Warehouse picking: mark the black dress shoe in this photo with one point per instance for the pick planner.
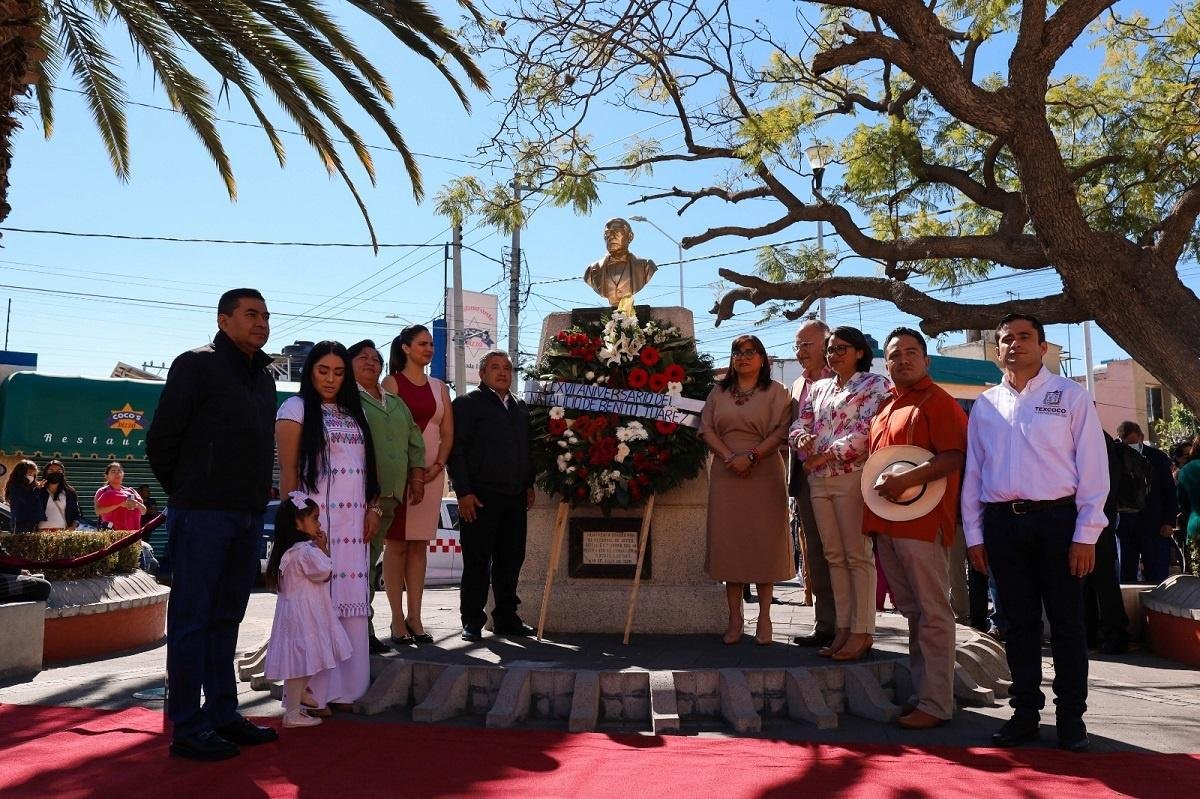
(815, 639)
(1073, 737)
(472, 632)
(1021, 728)
(207, 745)
(516, 628)
(377, 647)
(243, 733)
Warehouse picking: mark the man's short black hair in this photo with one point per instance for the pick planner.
(906, 331)
(1126, 427)
(1033, 320)
(230, 299)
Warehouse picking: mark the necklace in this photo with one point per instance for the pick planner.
(742, 397)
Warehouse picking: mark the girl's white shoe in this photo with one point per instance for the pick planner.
(298, 718)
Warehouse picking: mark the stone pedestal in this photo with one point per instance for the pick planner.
(678, 598)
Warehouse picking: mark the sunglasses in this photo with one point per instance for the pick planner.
(745, 353)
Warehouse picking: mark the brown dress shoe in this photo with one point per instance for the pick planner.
(920, 720)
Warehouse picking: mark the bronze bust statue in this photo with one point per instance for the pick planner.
(620, 274)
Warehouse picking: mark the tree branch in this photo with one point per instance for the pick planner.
(692, 196)
(1176, 228)
(1095, 163)
(938, 316)
(1065, 26)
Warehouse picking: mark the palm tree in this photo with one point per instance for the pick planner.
(288, 46)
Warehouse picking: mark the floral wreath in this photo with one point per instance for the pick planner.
(605, 459)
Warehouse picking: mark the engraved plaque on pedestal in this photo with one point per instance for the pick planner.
(605, 547)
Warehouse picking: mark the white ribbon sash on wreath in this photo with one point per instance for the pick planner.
(621, 401)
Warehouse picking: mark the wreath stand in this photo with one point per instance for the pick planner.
(560, 527)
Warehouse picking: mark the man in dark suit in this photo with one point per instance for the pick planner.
(493, 478)
(212, 446)
(1146, 535)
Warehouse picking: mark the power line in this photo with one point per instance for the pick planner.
(188, 240)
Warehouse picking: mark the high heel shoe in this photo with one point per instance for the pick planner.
(856, 653)
(839, 640)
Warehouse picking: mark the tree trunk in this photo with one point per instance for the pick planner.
(18, 18)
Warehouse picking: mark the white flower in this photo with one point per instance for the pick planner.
(562, 444)
(622, 453)
(563, 460)
(609, 355)
(557, 412)
(675, 389)
(590, 376)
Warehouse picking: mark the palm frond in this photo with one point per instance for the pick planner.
(189, 96)
(92, 65)
(315, 17)
(47, 72)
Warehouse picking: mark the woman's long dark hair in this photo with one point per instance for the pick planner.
(64, 486)
(855, 338)
(286, 535)
(314, 446)
(396, 357)
(729, 381)
(16, 480)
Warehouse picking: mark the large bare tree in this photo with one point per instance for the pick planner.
(963, 144)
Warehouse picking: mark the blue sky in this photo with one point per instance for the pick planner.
(66, 184)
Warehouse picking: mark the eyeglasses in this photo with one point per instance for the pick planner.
(837, 349)
(745, 353)
(803, 345)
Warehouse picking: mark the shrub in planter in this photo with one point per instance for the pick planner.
(57, 544)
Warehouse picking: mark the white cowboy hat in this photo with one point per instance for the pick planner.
(915, 502)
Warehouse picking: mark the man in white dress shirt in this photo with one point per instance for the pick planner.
(1033, 506)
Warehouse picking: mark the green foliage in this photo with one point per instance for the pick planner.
(288, 46)
(778, 263)
(48, 545)
(1180, 424)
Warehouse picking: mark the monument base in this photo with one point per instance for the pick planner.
(677, 598)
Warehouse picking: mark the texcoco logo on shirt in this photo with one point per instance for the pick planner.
(126, 419)
(1051, 404)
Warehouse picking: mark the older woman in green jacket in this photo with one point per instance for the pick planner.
(399, 456)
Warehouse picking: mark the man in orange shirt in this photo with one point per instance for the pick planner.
(912, 548)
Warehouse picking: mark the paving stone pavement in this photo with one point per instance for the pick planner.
(1137, 701)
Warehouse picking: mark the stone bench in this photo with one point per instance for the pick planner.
(21, 628)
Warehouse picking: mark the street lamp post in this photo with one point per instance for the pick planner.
(678, 247)
(818, 156)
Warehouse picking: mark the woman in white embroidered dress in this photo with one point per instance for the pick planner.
(325, 450)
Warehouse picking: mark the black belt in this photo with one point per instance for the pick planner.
(1020, 507)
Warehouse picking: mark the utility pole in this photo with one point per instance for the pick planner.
(1089, 378)
(456, 332)
(7, 322)
(514, 283)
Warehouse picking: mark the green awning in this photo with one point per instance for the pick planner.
(47, 416)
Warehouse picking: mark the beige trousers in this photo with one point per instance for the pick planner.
(838, 507)
(916, 572)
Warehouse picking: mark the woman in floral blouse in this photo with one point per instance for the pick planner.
(830, 436)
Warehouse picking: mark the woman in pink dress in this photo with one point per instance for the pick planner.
(408, 539)
(325, 450)
(121, 507)
(306, 636)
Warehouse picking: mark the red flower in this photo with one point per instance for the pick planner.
(562, 337)
(666, 428)
(603, 452)
(658, 383)
(557, 426)
(582, 472)
(649, 355)
(674, 373)
(638, 377)
(664, 456)
(644, 479)
(581, 492)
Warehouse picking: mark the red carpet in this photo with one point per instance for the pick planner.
(64, 752)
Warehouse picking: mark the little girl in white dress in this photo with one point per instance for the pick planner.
(306, 636)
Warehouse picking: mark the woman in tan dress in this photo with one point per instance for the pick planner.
(744, 423)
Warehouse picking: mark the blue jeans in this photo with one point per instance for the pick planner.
(215, 562)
